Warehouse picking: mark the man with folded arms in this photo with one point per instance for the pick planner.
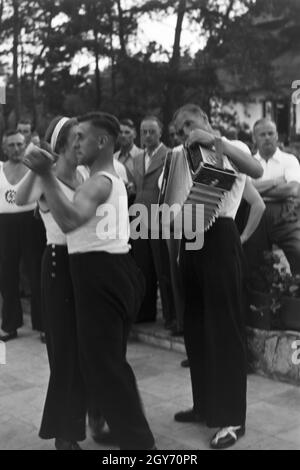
(279, 187)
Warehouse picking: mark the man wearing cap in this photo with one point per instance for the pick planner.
(108, 286)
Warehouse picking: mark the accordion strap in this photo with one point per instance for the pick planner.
(219, 152)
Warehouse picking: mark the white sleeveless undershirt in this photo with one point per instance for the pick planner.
(54, 234)
(8, 196)
(108, 230)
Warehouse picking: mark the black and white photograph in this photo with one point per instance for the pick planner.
(149, 227)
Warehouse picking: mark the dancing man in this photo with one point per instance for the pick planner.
(108, 286)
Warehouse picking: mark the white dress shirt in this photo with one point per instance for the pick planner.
(281, 164)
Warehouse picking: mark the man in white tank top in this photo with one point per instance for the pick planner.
(108, 286)
(21, 237)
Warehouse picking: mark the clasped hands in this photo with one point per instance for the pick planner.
(40, 160)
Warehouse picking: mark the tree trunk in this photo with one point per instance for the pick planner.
(170, 95)
(33, 91)
(112, 54)
(121, 30)
(97, 71)
(94, 15)
(16, 82)
(1, 13)
(123, 65)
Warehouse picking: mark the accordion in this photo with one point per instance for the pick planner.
(195, 181)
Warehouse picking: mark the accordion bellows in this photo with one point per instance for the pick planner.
(191, 180)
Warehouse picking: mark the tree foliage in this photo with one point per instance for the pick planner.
(71, 56)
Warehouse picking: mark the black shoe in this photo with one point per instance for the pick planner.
(61, 444)
(9, 336)
(227, 437)
(185, 363)
(188, 416)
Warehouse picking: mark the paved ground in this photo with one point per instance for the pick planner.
(273, 408)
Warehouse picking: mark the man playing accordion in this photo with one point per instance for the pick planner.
(214, 329)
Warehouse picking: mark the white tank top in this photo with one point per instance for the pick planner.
(108, 230)
(54, 234)
(8, 196)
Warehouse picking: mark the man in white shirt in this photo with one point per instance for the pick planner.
(279, 186)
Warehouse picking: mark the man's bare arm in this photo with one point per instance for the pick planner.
(30, 190)
(71, 215)
(257, 208)
(263, 186)
(243, 161)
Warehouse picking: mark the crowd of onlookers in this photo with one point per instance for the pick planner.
(201, 296)
(268, 216)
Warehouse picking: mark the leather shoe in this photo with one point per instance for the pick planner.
(188, 416)
(8, 336)
(227, 437)
(185, 363)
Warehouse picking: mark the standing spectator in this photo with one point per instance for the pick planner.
(35, 139)
(173, 138)
(128, 150)
(21, 235)
(279, 186)
(151, 254)
(24, 126)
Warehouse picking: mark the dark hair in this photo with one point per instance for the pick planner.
(153, 118)
(127, 122)
(191, 108)
(63, 133)
(103, 120)
(25, 121)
